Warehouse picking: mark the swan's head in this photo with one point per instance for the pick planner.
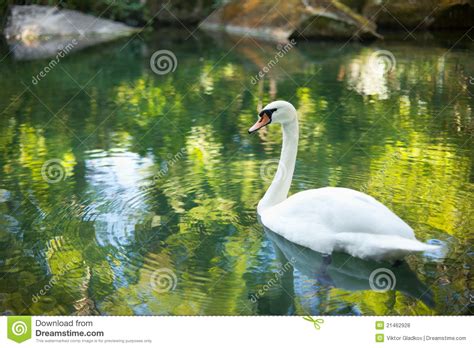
(278, 111)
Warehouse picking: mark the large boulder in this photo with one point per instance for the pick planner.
(272, 20)
(42, 31)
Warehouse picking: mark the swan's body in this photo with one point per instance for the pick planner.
(331, 218)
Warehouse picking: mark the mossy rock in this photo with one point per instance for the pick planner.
(278, 21)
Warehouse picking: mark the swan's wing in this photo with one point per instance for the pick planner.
(337, 210)
(330, 218)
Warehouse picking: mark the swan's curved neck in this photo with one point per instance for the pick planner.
(280, 186)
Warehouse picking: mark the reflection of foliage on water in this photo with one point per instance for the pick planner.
(404, 140)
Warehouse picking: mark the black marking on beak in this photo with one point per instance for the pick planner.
(268, 112)
(265, 116)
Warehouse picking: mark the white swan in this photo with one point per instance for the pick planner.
(331, 218)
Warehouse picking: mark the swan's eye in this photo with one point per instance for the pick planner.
(268, 112)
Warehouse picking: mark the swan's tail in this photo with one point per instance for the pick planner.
(380, 247)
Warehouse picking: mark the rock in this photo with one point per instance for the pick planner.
(420, 14)
(42, 31)
(278, 21)
(57, 47)
(4, 195)
(36, 22)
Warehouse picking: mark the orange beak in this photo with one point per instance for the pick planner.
(262, 122)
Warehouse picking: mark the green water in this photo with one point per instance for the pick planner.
(158, 179)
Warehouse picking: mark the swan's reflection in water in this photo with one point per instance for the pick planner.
(338, 270)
